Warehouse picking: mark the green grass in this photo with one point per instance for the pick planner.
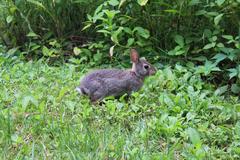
(175, 116)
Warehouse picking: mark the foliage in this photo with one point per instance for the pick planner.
(175, 116)
(205, 33)
(22, 20)
(45, 46)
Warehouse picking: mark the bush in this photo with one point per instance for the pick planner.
(46, 18)
(205, 34)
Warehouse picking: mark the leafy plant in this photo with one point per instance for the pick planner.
(112, 24)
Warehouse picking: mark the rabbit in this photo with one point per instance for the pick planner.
(115, 82)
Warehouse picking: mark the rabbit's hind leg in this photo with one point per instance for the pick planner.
(98, 95)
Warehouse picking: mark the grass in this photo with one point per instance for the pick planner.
(175, 116)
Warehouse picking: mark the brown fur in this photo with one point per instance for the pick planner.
(115, 82)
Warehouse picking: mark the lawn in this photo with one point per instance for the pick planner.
(176, 115)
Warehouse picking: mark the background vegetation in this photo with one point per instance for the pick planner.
(189, 110)
(202, 33)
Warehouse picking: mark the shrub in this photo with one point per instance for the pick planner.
(203, 33)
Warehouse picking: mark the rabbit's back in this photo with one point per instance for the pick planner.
(104, 73)
(109, 82)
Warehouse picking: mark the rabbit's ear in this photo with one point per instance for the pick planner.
(134, 56)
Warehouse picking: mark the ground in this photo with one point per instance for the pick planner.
(176, 115)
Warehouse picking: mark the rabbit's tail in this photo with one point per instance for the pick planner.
(81, 90)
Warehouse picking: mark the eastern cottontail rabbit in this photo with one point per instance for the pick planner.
(116, 82)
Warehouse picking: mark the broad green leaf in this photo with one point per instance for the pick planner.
(220, 2)
(54, 43)
(13, 9)
(89, 17)
(219, 57)
(121, 3)
(207, 68)
(142, 2)
(86, 26)
(213, 14)
(46, 51)
(237, 45)
(27, 100)
(200, 58)
(113, 2)
(207, 33)
(210, 66)
(217, 19)
(62, 92)
(177, 48)
(32, 34)
(171, 52)
(180, 52)
(12, 51)
(70, 105)
(214, 38)
(228, 37)
(140, 43)
(9, 19)
(226, 50)
(216, 107)
(97, 57)
(233, 73)
(115, 34)
(167, 100)
(16, 139)
(169, 74)
(210, 45)
(76, 51)
(221, 90)
(97, 17)
(200, 12)
(220, 45)
(190, 116)
(194, 136)
(35, 47)
(130, 42)
(128, 30)
(142, 32)
(179, 40)
(111, 13)
(38, 4)
(103, 31)
(99, 8)
(235, 88)
(194, 2)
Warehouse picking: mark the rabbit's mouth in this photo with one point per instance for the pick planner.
(152, 72)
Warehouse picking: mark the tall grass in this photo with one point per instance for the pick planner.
(60, 18)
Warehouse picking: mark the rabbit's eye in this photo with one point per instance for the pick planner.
(146, 66)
